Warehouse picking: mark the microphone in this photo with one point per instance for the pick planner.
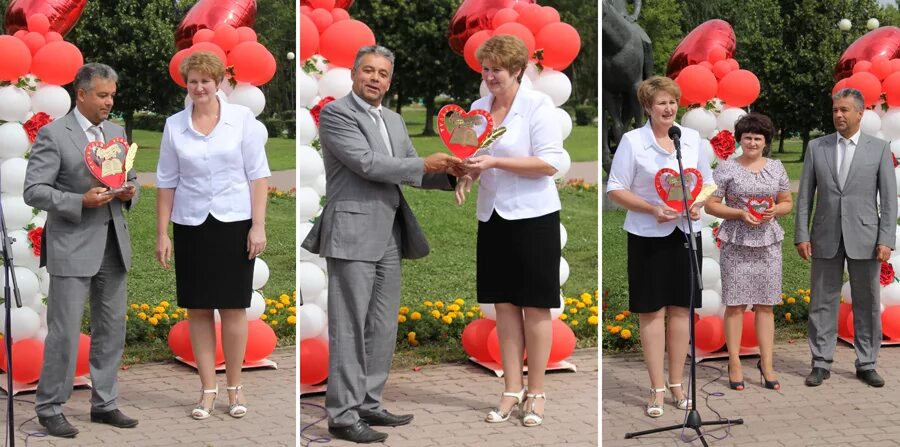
(675, 135)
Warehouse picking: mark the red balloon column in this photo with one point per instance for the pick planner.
(477, 15)
(480, 341)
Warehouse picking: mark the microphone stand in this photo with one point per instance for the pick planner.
(9, 272)
(693, 420)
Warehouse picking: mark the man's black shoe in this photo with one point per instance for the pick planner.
(114, 417)
(58, 426)
(385, 418)
(359, 433)
(816, 376)
(870, 377)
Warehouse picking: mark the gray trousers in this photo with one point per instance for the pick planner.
(65, 305)
(363, 301)
(826, 275)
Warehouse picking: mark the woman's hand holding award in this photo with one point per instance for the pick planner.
(457, 130)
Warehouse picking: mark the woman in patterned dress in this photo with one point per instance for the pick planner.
(756, 191)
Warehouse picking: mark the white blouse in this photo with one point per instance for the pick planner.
(531, 130)
(211, 174)
(635, 164)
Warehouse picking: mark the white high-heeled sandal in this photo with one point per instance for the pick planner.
(237, 409)
(655, 408)
(684, 402)
(532, 419)
(200, 412)
(496, 415)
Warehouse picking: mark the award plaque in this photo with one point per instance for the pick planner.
(457, 130)
(668, 186)
(110, 162)
(758, 205)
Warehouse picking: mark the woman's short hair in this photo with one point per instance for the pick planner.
(203, 62)
(654, 85)
(755, 123)
(509, 52)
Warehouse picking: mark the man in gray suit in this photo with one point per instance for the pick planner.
(87, 251)
(363, 232)
(847, 171)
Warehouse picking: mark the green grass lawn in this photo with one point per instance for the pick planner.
(791, 157)
(281, 152)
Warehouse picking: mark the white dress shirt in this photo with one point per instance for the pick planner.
(377, 118)
(531, 130)
(635, 164)
(211, 174)
(851, 149)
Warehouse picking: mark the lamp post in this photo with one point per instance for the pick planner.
(845, 25)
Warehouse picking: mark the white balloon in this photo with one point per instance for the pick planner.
(845, 293)
(22, 252)
(44, 286)
(37, 221)
(563, 271)
(42, 313)
(12, 175)
(307, 89)
(565, 122)
(33, 301)
(322, 263)
(15, 211)
(555, 84)
(563, 236)
(248, 96)
(880, 135)
(319, 185)
(260, 273)
(870, 123)
(890, 295)
(717, 105)
(24, 323)
(41, 334)
(258, 133)
(890, 123)
(13, 140)
(303, 229)
(309, 165)
(307, 202)
(557, 311)
(52, 100)
(15, 104)
(257, 306)
(318, 62)
(335, 83)
(322, 300)
(311, 320)
(701, 120)
(717, 286)
(488, 311)
(483, 90)
(711, 271)
(531, 71)
(565, 166)
(728, 117)
(711, 305)
(306, 127)
(312, 279)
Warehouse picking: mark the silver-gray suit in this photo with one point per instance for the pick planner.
(363, 232)
(87, 252)
(848, 224)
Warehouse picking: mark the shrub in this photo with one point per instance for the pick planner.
(148, 121)
(584, 115)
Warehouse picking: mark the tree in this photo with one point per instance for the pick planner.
(661, 20)
(276, 29)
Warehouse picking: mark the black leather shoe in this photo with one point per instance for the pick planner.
(115, 418)
(359, 433)
(870, 377)
(817, 376)
(385, 418)
(58, 426)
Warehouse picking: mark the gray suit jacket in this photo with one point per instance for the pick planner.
(55, 181)
(850, 212)
(363, 194)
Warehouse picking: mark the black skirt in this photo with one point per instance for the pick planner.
(211, 266)
(518, 261)
(659, 272)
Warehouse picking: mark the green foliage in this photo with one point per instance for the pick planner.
(148, 121)
(661, 19)
(585, 115)
(276, 28)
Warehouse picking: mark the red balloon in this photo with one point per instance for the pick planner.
(82, 363)
(338, 14)
(180, 340)
(261, 341)
(722, 68)
(38, 23)
(3, 366)
(890, 322)
(474, 338)
(843, 325)
(706, 64)
(476, 15)
(716, 54)
(20, 33)
(220, 353)
(27, 358)
(313, 361)
(563, 342)
(342, 40)
(895, 65)
(698, 84)
(309, 38)
(210, 48)
(472, 45)
(324, 4)
(842, 84)
(696, 45)
(891, 88)
(550, 14)
(534, 19)
(748, 330)
(493, 346)
(738, 88)
(849, 324)
(62, 15)
(504, 15)
(868, 84)
(879, 57)
(203, 35)
(561, 44)
(15, 58)
(57, 62)
(225, 36)
(252, 63)
(34, 41)
(305, 9)
(881, 69)
(862, 66)
(343, 4)
(883, 41)
(246, 34)
(521, 6)
(210, 13)
(520, 31)
(734, 63)
(710, 333)
(53, 36)
(175, 67)
(322, 18)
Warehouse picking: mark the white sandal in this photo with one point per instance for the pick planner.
(496, 415)
(655, 409)
(237, 409)
(200, 412)
(531, 418)
(684, 402)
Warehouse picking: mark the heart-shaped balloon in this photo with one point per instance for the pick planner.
(209, 13)
(695, 47)
(62, 14)
(461, 137)
(668, 186)
(106, 161)
(473, 16)
(758, 205)
(343, 4)
(884, 41)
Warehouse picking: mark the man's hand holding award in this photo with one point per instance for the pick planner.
(109, 163)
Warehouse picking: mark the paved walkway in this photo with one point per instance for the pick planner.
(161, 396)
(449, 402)
(842, 411)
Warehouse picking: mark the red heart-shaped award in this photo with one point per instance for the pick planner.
(461, 138)
(209, 13)
(668, 186)
(758, 205)
(62, 14)
(106, 161)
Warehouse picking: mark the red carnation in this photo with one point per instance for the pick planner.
(894, 158)
(317, 109)
(723, 144)
(887, 273)
(35, 237)
(33, 125)
(715, 232)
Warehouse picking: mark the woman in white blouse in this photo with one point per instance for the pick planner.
(658, 263)
(212, 184)
(518, 247)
